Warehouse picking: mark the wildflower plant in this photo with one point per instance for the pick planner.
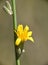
(21, 33)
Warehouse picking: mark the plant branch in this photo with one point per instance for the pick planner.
(15, 26)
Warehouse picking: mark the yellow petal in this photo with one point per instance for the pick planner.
(31, 39)
(29, 33)
(20, 28)
(26, 28)
(18, 41)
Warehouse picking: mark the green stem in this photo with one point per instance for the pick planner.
(18, 62)
(15, 25)
(14, 14)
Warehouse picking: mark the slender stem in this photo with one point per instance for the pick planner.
(15, 25)
(14, 14)
(18, 62)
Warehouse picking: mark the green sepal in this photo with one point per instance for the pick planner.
(19, 48)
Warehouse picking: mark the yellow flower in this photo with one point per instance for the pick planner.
(23, 34)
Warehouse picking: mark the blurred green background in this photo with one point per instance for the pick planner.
(33, 13)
